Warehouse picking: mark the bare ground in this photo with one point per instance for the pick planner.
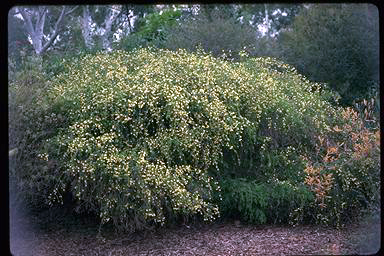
(45, 234)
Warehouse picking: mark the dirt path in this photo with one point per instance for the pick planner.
(29, 238)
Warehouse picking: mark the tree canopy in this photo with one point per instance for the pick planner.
(337, 44)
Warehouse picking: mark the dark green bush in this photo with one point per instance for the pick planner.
(29, 126)
(259, 203)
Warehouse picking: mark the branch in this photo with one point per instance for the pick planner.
(39, 26)
(72, 10)
(12, 152)
(118, 15)
(28, 22)
(56, 30)
(110, 17)
(41, 13)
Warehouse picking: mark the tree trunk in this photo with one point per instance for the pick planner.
(267, 19)
(107, 35)
(36, 31)
(86, 20)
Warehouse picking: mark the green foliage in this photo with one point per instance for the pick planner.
(212, 32)
(29, 125)
(259, 203)
(156, 24)
(139, 10)
(153, 29)
(337, 44)
(138, 138)
(282, 164)
(285, 112)
(53, 64)
(131, 42)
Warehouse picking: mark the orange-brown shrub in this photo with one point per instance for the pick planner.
(344, 173)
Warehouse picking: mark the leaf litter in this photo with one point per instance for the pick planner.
(57, 237)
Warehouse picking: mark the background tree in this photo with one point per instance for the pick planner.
(85, 21)
(43, 24)
(154, 29)
(214, 31)
(18, 44)
(152, 26)
(139, 12)
(105, 19)
(272, 17)
(337, 44)
(232, 27)
(129, 26)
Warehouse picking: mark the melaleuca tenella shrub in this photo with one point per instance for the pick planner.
(143, 133)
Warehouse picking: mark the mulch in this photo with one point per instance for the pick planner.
(27, 237)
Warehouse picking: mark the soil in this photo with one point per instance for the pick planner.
(53, 233)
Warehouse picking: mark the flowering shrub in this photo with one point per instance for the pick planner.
(284, 113)
(345, 172)
(139, 138)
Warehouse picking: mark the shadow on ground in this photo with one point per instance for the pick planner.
(51, 232)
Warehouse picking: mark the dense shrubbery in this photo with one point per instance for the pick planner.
(28, 127)
(344, 174)
(273, 202)
(142, 138)
(284, 113)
